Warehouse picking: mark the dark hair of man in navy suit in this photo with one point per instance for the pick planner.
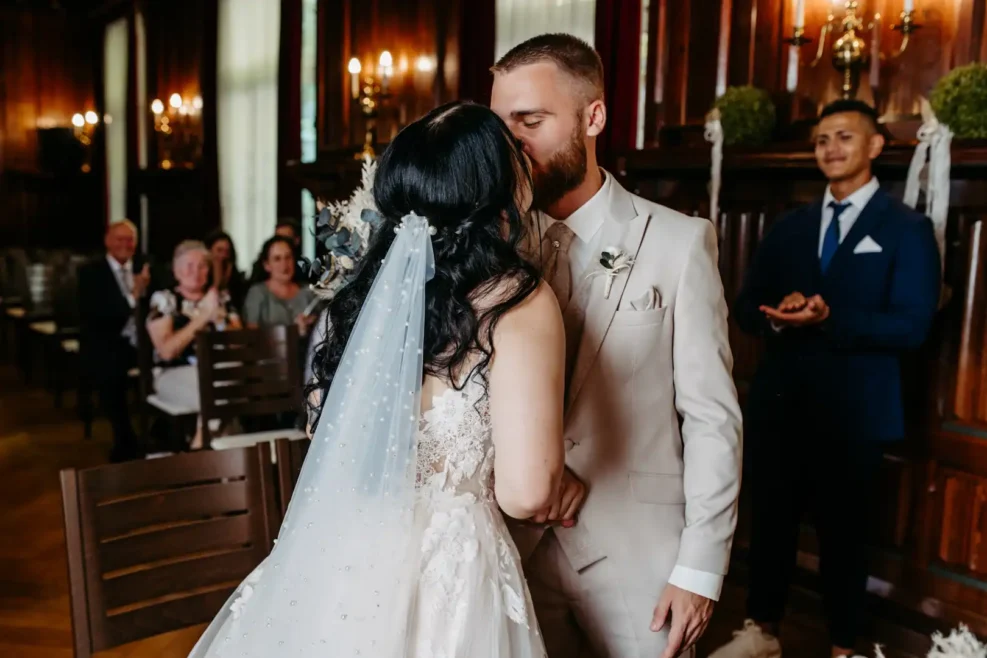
(839, 289)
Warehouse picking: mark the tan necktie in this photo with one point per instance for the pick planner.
(555, 252)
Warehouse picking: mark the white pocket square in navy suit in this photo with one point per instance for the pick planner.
(867, 246)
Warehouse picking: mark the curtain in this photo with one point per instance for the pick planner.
(247, 121)
(309, 106)
(115, 58)
(518, 20)
(618, 40)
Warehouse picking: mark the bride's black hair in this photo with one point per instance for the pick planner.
(460, 167)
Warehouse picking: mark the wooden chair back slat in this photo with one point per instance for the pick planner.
(250, 372)
(187, 504)
(197, 537)
(258, 371)
(185, 470)
(159, 545)
(274, 388)
(173, 614)
(149, 584)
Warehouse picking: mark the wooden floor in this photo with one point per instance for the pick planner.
(36, 440)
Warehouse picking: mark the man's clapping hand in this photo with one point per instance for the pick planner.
(795, 310)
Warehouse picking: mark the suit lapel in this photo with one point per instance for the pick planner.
(869, 218)
(600, 309)
(809, 237)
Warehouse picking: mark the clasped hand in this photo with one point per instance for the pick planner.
(572, 494)
(796, 310)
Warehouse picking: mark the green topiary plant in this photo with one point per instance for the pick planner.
(960, 101)
(747, 116)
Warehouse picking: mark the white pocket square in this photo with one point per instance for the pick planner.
(867, 246)
(647, 302)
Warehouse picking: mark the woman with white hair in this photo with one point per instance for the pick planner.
(174, 319)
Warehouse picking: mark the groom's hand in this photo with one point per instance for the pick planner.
(572, 494)
(690, 614)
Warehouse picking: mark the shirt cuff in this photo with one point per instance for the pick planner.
(698, 582)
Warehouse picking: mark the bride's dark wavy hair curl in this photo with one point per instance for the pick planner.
(461, 168)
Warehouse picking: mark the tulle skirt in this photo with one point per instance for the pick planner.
(462, 595)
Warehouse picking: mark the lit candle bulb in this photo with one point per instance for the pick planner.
(386, 70)
(354, 68)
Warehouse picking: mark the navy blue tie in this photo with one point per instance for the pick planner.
(831, 241)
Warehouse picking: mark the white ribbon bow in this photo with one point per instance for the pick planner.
(934, 141)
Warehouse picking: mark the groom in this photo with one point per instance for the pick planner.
(652, 425)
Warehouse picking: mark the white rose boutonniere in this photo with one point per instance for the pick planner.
(613, 261)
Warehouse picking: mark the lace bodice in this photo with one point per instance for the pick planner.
(455, 450)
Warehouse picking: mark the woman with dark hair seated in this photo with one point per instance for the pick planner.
(225, 277)
(278, 299)
(444, 364)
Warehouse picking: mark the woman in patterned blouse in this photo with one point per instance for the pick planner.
(174, 319)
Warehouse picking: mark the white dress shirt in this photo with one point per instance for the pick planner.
(858, 201)
(584, 251)
(124, 273)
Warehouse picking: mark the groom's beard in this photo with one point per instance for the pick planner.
(564, 172)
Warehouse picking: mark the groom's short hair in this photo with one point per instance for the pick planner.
(572, 55)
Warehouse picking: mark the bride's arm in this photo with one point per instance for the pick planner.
(527, 384)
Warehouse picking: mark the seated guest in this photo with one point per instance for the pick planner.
(174, 319)
(109, 289)
(289, 228)
(225, 276)
(840, 289)
(278, 299)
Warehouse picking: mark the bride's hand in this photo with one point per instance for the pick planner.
(572, 495)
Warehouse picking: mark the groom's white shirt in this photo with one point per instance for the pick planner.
(584, 251)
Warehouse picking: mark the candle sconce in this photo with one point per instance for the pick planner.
(850, 52)
(387, 94)
(84, 128)
(370, 92)
(178, 131)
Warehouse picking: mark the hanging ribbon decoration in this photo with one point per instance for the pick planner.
(934, 141)
(714, 135)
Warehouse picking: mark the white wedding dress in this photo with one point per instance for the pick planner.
(472, 597)
(393, 545)
(469, 599)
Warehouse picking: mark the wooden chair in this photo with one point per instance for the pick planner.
(248, 373)
(159, 545)
(290, 457)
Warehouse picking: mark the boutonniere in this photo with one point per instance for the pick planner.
(613, 261)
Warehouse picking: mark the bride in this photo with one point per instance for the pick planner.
(443, 367)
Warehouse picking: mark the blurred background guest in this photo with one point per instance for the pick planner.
(175, 317)
(288, 227)
(278, 298)
(109, 289)
(226, 278)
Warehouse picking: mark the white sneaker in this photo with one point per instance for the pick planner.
(750, 642)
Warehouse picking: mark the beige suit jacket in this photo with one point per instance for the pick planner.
(652, 423)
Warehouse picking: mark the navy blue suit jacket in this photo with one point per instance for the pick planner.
(841, 376)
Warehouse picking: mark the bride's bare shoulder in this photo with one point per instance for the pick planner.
(538, 312)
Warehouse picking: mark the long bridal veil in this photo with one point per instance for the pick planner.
(341, 576)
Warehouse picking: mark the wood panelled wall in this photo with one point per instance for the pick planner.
(44, 87)
(701, 46)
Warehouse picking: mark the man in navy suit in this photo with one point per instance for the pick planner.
(839, 289)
